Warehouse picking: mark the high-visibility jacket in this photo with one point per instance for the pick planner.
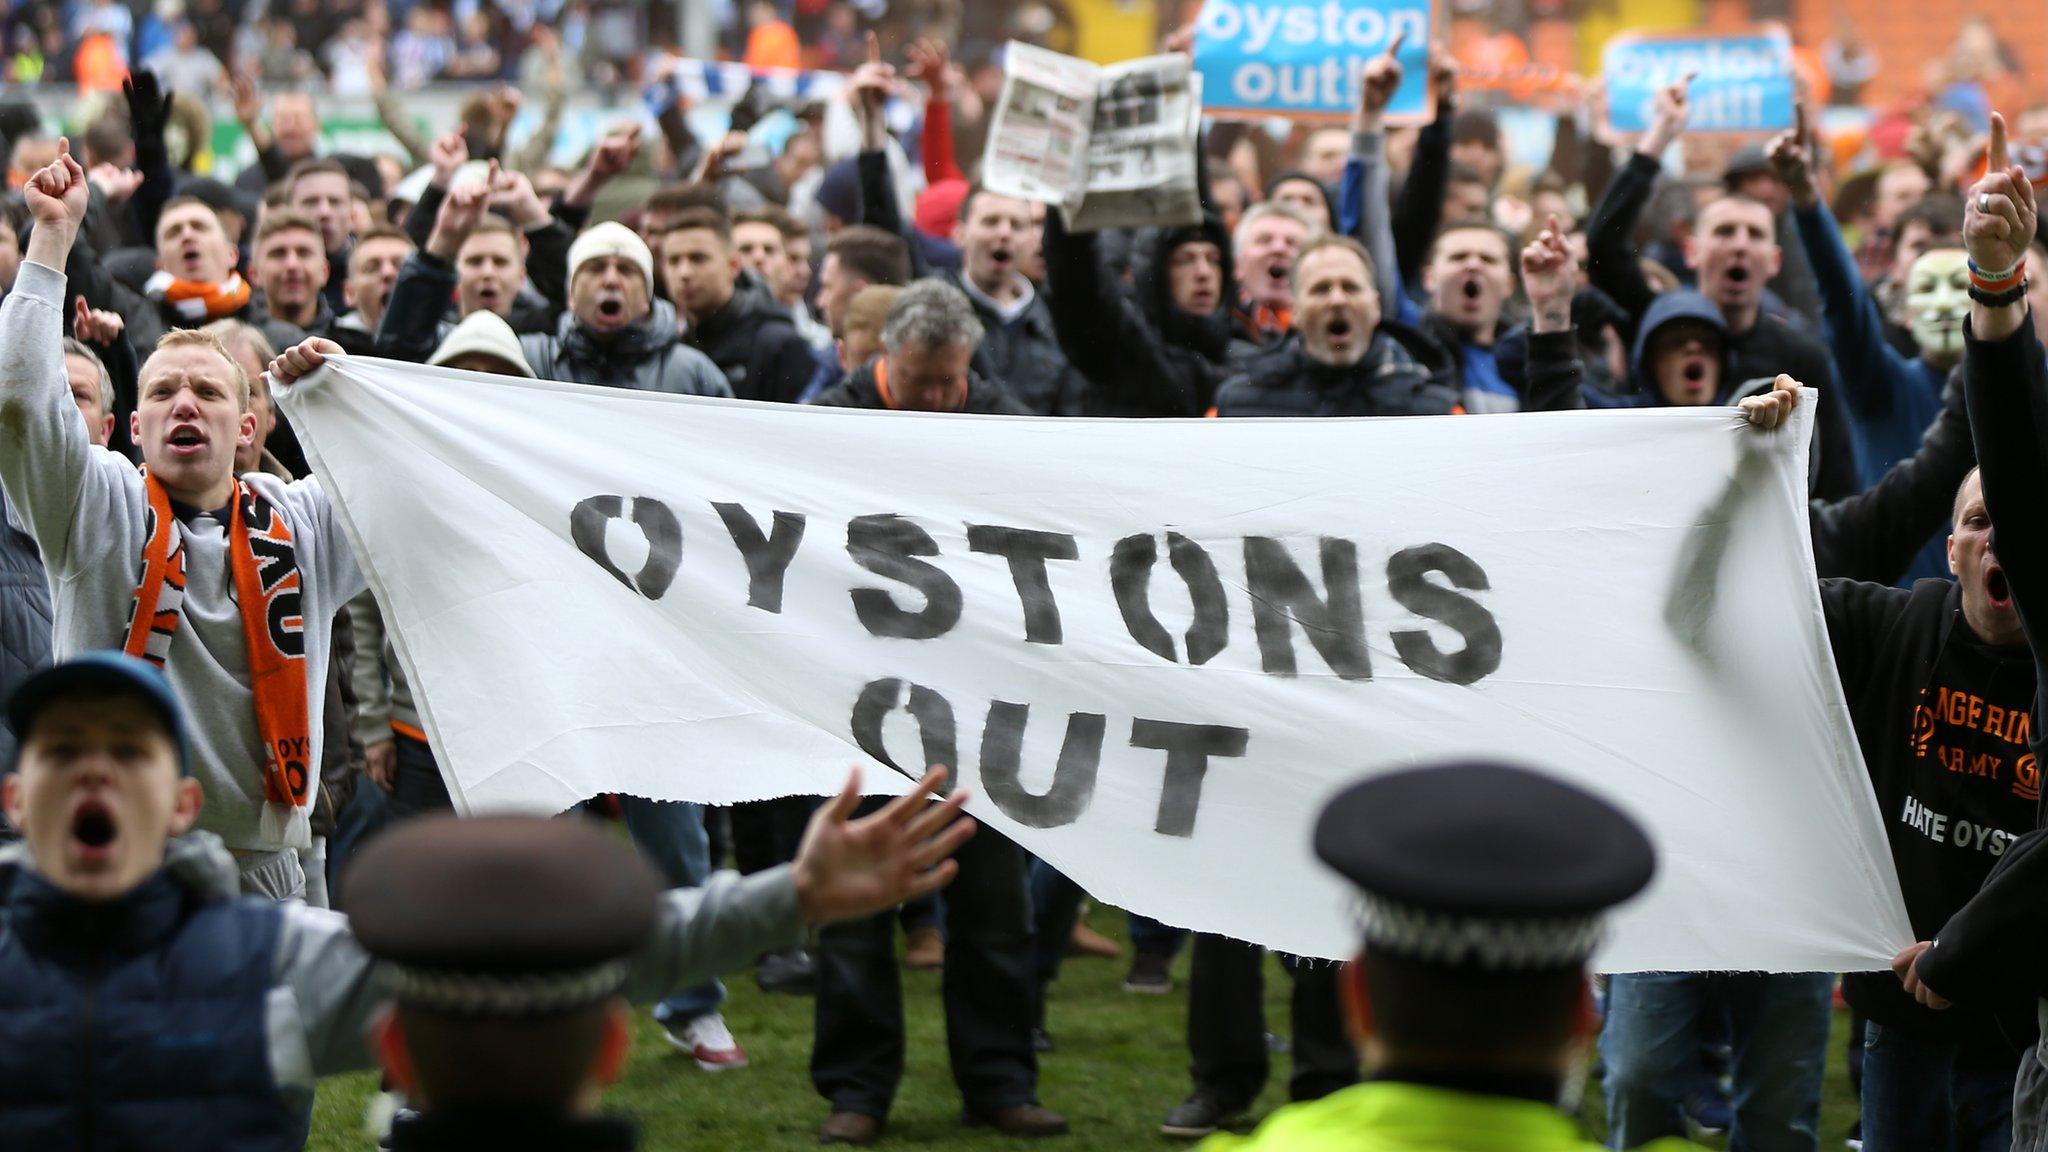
(1388, 1116)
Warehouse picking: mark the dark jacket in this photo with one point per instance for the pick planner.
(1592, 314)
(1023, 354)
(1285, 382)
(1769, 347)
(546, 295)
(24, 616)
(1876, 534)
(984, 397)
(1994, 953)
(1419, 204)
(1666, 310)
(648, 357)
(1142, 355)
(754, 342)
(421, 311)
(139, 1022)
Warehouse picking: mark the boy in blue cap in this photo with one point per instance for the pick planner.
(146, 1005)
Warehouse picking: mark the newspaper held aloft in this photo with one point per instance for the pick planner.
(1112, 147)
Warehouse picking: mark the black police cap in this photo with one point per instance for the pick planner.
(501, 915)
(1485, 864)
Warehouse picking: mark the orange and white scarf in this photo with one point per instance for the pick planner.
(199, 300)
(269, 590)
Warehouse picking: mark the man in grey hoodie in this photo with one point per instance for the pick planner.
(95, 520)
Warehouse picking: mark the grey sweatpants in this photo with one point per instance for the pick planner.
(272, 875)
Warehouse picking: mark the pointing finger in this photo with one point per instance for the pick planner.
(2000, 159)
(1802, 131)
(1394, 45)
(874, 49)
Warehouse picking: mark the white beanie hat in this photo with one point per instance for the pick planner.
(483, 332)
(612, 238)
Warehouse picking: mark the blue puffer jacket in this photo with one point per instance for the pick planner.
(24, 618)
(137, 1023)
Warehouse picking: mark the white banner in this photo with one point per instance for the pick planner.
(1151, 648)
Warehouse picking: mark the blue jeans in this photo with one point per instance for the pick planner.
(362, 817)
(1778, 1030)
(671, 833)
(1928, 1095)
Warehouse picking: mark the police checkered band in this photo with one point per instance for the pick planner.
(489, 994)
(1493, 943)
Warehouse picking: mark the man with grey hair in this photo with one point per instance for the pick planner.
(990, 995)
(928, 344)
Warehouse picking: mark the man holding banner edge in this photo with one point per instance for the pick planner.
(1949, 658)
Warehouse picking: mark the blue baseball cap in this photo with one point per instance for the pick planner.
(99, 674)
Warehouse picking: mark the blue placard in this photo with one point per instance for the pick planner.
(1744, 83)
(1303, 57)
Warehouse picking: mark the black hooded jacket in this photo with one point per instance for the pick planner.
(861, 390)
(1942, 718)
(755, 343)
(1142, 355)
(1993, 953)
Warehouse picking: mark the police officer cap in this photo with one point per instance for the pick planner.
(1483, 865)
(501, 915)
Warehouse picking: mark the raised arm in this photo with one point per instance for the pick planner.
(1610, 233)
(612, 156)
(554, 97)
(868, 93)
(1994, 952)
(2008, 385)
(1550, 276)
(149, 110)
(1875, 534)
(1363, 208)
(547, 239)
(391, 112)
(1873, 374)
(1419, 206)
(1103, 334)
(931, 63)
(410, 328)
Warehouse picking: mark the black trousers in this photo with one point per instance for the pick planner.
(416, 785)
(766, 832)
(990, 998)
(1227, 1024)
